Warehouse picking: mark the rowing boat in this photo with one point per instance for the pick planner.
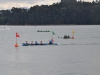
(24, 44)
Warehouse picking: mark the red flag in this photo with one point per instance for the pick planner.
(17, 35)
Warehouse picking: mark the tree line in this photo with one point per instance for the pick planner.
(62, 13)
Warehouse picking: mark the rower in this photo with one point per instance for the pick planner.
(32, 43)
(36, 43)
(26, 42)
(41, 43)
(50, 42)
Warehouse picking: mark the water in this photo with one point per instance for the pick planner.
(79, 56)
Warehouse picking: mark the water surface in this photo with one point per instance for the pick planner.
(79, 56)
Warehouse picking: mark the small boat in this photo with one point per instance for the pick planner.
(43, 31)
(4, 28)
(24, 44)
(66, 37)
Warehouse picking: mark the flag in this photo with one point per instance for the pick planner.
(17, 35)
(53, 33)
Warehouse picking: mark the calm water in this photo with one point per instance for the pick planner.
(79, 56)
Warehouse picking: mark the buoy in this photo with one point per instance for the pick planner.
(72, 37)
(16, 45)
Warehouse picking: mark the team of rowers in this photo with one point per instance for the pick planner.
(41, 43)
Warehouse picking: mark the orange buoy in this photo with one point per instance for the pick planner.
(16, 45)
(72, 37)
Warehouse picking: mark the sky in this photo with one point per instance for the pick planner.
(8, 4)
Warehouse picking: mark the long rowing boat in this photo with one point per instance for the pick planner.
(24, 44)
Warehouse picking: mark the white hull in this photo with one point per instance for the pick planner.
(4, 28)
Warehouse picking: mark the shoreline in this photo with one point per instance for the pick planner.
(49, 25)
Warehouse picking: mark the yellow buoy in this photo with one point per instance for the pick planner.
(73, 32)
(16, 45)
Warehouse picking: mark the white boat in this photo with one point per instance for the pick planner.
(5, 27)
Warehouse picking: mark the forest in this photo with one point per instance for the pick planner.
(60, 13)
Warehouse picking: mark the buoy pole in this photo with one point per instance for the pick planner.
(52, 36)
(16, 45)
(16, 39)
(73, 34)
(17, 35)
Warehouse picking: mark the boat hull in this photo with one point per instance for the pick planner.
(24, 44)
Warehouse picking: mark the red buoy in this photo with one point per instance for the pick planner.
(16, 45)
(72, 37)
